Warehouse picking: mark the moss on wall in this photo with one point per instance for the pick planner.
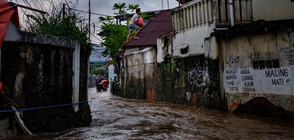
(41, 75)
(190, 80)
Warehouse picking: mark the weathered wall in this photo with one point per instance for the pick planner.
(189, 80)
(139, 75)
(37, 70)
(193, 39)
(259, 64)
(272, 9)
(164, 47)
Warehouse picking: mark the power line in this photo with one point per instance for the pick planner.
(88, 12)
(96, 37)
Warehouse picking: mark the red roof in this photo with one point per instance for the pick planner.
(160, 25)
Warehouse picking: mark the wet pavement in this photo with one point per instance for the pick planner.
(119, 118)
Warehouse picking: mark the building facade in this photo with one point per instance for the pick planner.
(233, 55)
(251, 41)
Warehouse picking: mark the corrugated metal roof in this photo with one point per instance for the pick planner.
(160, 25)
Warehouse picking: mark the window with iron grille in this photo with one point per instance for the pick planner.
(266, 64)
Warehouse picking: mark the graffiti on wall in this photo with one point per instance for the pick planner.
(198, 75)
(291, 38)
(285, 52)
(233, 60)
(249, 80)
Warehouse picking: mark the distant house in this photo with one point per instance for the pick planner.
(98, 63)
(140, 57)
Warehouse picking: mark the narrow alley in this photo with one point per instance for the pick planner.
(172, 69)
(119, 118)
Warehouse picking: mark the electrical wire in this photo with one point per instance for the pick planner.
(88, 12)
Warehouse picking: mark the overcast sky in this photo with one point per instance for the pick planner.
(105, 7)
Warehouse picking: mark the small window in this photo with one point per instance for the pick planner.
(184, 50)
(255, 65)
(261, 64)
(266, 64)
(276, 63)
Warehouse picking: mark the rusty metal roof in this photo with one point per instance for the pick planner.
(160, 25)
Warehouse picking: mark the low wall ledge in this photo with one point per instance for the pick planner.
(14, 35)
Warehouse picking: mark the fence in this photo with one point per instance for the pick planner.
(202, 12)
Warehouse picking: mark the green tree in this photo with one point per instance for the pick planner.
(114, 36)
(120, 7)
(133, 7)
(107, 19)
(143, 15)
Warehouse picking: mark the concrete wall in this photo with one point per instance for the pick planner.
(193, 24)
(193, 39)
(43, 70)
(164, 48)
(192, 30)
(272, 9)
(139, 74)
(190, 80)
(259, 64)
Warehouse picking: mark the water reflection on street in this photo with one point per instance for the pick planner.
(119, 118)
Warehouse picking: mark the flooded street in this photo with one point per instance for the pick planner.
(118, 118)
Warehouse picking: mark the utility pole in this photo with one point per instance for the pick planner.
(167, 4)
(63, 10)
(88, 59)
(89, 21)
(162, 4)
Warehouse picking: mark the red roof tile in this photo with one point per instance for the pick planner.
(160, 25)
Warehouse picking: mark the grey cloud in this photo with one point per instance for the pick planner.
(105, 6)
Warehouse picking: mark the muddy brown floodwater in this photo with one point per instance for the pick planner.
(119, 118)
